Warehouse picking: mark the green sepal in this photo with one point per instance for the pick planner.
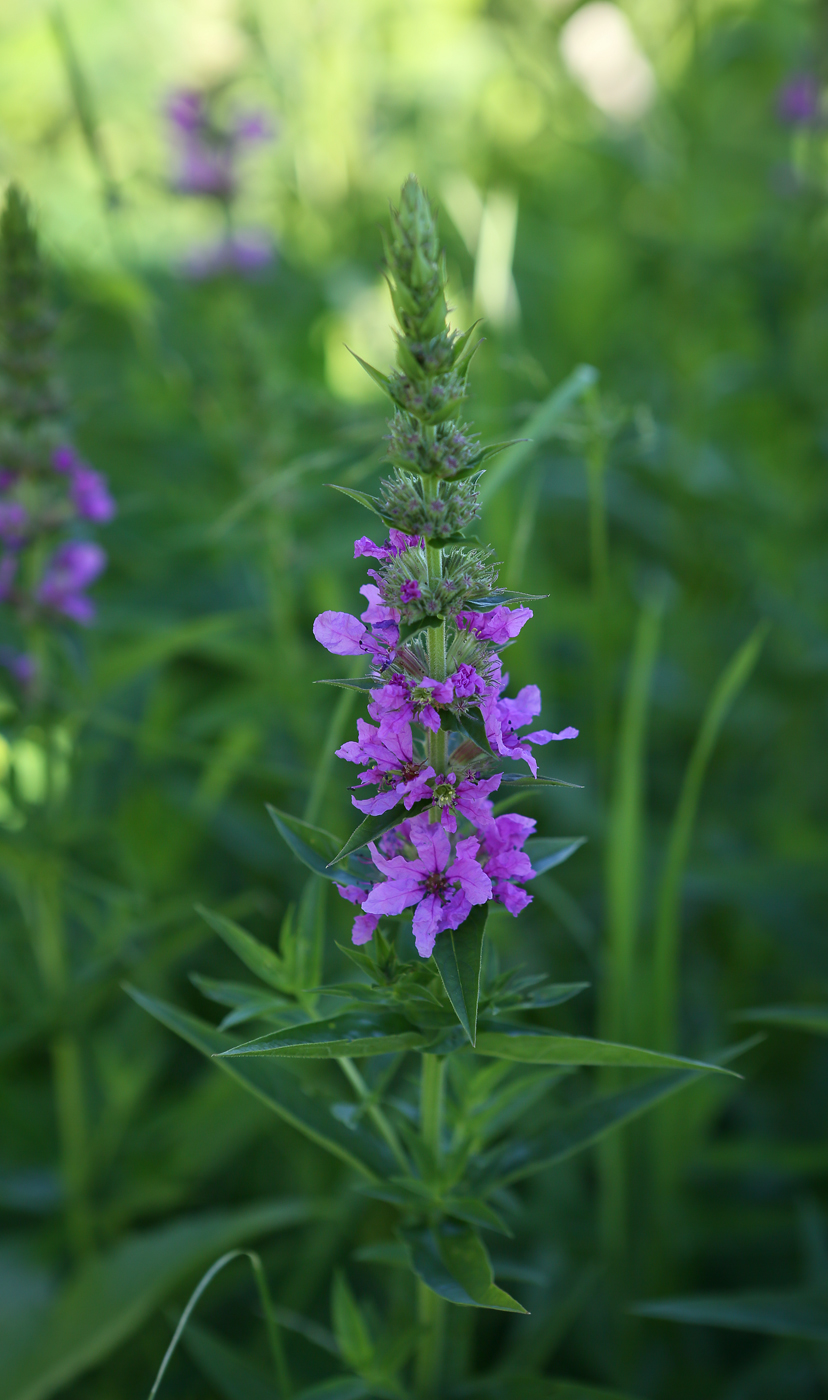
(256, 956)
(458, 954)
(373, 827)
(315, 847)
(536, 1045)
(354, 1033)
(452, 1261)
(363, 684)
(545, 852)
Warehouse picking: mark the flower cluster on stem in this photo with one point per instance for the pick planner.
(48, 493)
(433, 631)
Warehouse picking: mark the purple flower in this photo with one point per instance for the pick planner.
(468, 682)
(503, 717)
(502, 840)
(65, 459)
(406, 701)
(797, 101)
(344, 635)
(246, 252)
(20, 665)
(364, 924)
(499, 626)
(469, 798)
(396, 544)
(389, 751)
(90, 495)
(410, 591)
(13, 521)
(71, 569)
(443, 890)
(185, 109)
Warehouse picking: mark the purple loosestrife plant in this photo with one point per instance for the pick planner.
(443, 743)
(49, 497)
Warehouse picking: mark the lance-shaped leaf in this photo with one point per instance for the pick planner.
(536, 1045)
(381, 380)
(279, 1089)
(452, 1261)
(525, 780)
(113, 1294)
(577, 1128)
(476, 730)
(801, 1313)
(458, 954)
(373, 827)
(505, 595)
(792, 1018)
(545, 852)
(354, 1034)
(260, 959)
(412, 628)
(361, 497)
(316, 848)
(363, 684)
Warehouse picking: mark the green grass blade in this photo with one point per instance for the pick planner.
(114, 1294)
(796, 1314)
(666, 949)
(538, 427)
(792, 1018)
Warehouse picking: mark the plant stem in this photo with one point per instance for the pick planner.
(596, 453)
(436, 744)
(430, 1307)
(375, 1113)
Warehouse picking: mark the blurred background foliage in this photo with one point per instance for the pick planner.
(625, 187)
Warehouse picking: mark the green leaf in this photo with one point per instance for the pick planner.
(525, 780)
(361, 497)
(473, 726)
(458, 954)
(452, 1261)
(534, 1045)
(540, 425)
(256, 956)
(373, 827)
(226, 1367)
(545, 852)
(113, 1294)
(508, 1387)
(352, 1335)
(794, 1018)
(364, 684)
(353, 1034)
(801, 1314)
(412, 628)
(312, 845)
(381, 380)
(340, 1388)
(278, 1088)
(578, 1128)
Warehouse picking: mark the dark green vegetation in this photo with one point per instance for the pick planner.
(678, 507)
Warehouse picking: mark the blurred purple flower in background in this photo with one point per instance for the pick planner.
(207, 153)
(72, 568)
(798, 100)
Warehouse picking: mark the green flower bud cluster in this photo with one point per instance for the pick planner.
(449, 451)
(443, 517)
(406, 584)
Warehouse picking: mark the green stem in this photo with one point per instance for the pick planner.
(431, 1307)
(436, 744)
(375, 1113)
(596, 462)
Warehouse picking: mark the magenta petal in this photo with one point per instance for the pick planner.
(432, 844)
(375, 806)
(355, 894)
(363, 929)
(339, 633)
(392, 896)
(426, 924)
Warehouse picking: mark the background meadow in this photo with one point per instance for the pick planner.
(633, 199)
